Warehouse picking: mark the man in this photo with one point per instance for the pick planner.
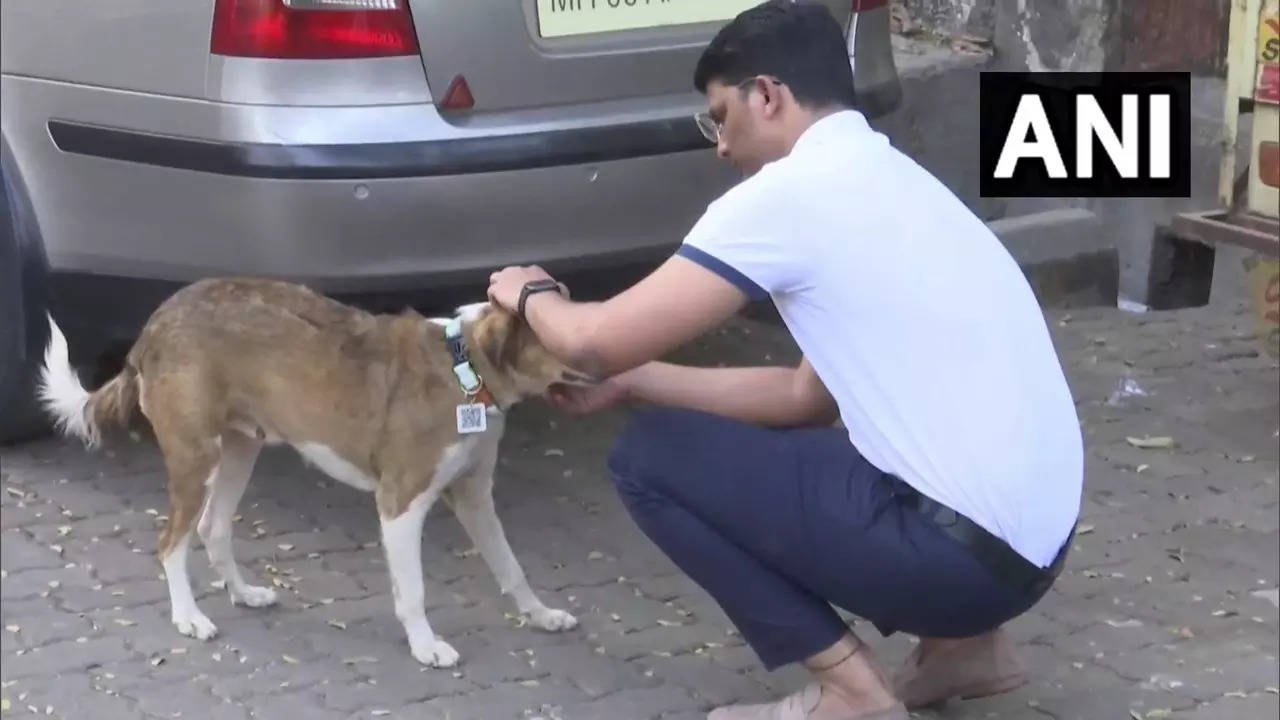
(945, 505)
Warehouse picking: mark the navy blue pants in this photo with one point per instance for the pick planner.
(779, 525)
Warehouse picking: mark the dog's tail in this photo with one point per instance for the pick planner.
(76, 411)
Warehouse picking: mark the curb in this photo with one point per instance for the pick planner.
(1066, 257)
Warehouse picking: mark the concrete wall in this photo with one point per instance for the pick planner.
(1041, 35)
(938, 123)
(948, 17)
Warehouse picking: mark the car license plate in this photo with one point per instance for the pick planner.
(560, 18)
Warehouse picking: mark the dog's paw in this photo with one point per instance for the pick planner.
(254, 596)
(552, 620)
(196, 625)
(435, 653)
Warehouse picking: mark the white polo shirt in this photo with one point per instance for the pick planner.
(918, 321)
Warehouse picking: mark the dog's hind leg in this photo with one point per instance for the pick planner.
(191, 463)
(239, 452)
(472, 502)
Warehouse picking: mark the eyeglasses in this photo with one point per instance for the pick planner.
(709, 126)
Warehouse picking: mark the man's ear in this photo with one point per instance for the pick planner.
(771, 97)
(495, 337)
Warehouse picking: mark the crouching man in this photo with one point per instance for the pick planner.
(945, 505)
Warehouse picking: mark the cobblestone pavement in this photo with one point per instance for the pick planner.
(1168, 607)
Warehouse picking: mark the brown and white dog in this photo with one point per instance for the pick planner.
(225, 366)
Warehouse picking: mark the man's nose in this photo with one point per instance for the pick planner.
(722, 149)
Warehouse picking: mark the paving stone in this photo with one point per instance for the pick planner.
(113, 563)
(19, 552)
(64, 657)
(591, 672)
(1157, 610)
(666, 587)
(125, 594)
(734, 657)
(257, 677)
(506, 702)
(307, 705)
(25, 515)
(42, 582)
(486, 665)
(72, 697)
(189, 701)
(657, 641)
(616, 607)
(51, 627)
(1263, 706)
(634, 704)
(401, 682)
(709, 681)
(80, 498)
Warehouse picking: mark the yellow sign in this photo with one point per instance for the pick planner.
(1269, 34)
(1264, 282)
(559, 18)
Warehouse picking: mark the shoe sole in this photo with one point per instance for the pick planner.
(998, 687)
(975, 692)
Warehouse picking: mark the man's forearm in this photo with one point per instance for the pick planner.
(674, 304)
(565, 329)
(759, 395)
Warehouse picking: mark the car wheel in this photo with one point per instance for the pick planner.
(24, 328)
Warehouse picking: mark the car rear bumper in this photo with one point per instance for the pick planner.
(351, 199)
(351, 161)
(375, 234)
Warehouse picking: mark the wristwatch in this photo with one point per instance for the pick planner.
(533, 287)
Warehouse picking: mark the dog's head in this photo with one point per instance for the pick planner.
(511, 348)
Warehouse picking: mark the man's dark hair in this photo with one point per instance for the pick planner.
(800, 43)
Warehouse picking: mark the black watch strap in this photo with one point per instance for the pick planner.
(532, 288)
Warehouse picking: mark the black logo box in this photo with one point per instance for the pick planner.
(1001, 93)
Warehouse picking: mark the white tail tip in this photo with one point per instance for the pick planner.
(61, 393)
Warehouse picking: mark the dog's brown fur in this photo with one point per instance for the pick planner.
(236, 360)
(281, 361)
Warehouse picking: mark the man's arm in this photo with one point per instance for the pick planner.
(768, 396)
(675, 304)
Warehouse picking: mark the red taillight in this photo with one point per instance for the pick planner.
(313, 29)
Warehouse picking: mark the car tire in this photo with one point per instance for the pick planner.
(23, 418)
(24, 327)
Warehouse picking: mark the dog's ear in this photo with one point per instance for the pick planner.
(496, 336)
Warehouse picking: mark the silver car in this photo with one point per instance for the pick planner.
(366, 147)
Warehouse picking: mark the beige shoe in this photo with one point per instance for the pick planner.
(800, 706)
(987, 666)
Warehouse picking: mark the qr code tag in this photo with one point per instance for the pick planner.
(471, 418)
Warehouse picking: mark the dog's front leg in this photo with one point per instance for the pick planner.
(473, 505)
(402, 538)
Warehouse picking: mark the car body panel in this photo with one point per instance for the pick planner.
(150, 159)
(142, 45)
(496, 46)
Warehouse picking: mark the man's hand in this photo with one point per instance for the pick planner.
(505, 285)
(577, 400)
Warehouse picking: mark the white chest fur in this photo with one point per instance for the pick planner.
(466, 453)
(333, 465)
(469, 452)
